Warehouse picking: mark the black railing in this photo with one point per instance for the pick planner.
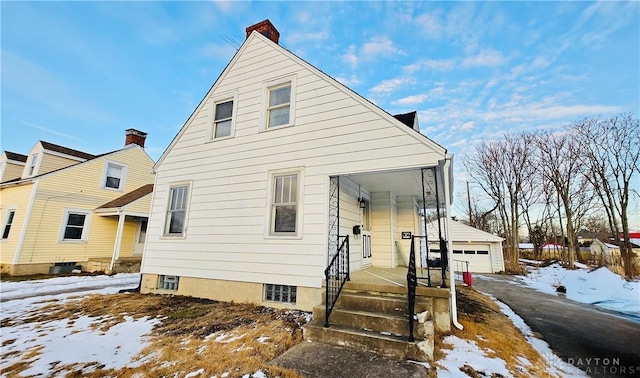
(336, 274)
(412, 283)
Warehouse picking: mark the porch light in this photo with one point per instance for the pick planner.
(361, 202)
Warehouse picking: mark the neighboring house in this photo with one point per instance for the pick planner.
(68, 207)
(275, 168)
(11, 165)
(482, 250)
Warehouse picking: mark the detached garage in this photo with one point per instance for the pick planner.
(481, 249)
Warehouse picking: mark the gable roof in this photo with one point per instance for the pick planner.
(310, 67)
(16, 156)
(129, 197)
(464, 233)
(407, 118)
(66, 150)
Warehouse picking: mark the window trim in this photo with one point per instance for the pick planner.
(5, 223)
(123, 179)
(183, 234)
(32, 169)
(85, 227)
(266, 88)
(270, 214)
(215, 100)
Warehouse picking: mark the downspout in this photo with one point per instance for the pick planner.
(447, 219)
(116, 247)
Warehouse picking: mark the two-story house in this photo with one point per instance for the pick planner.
(67, 207)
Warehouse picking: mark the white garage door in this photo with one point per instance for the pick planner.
(478, 256)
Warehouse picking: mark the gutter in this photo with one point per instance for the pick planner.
(453, 310)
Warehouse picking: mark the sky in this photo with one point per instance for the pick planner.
(79, 73)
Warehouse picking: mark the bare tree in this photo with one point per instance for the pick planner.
(500, 169)
(559, 164)
(611, 153)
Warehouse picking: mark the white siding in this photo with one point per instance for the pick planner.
(334, 133)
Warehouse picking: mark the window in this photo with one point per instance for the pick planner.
(222, 119)
(457, 251)
(278, 110)
(32, 165)
(280, 293)
(177, 211)
(114, 176)
(168, 282)
(284, 205)
(76, 224)
(7, 224)
(469, 252)
(482, 252)
(143, 231)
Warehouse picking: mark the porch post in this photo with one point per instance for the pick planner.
(116, 247)
(447, 219)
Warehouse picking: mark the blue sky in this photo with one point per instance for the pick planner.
(80, 73)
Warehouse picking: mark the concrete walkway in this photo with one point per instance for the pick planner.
(600, 342)
(317, 360)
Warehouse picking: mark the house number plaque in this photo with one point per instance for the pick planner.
(406, 234)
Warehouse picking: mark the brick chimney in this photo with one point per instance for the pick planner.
(133, 136)
(265, 28)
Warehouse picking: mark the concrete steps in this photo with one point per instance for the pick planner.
(375, 319)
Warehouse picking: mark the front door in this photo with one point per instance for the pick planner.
(365, 218)
(141, 236)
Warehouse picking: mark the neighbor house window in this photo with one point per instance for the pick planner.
(176, 211)
(168, 282)
(32, 165)
(222, 120)
(7, 224)
(284, 206)
(280, 293)
(75, 226)
(114, 176)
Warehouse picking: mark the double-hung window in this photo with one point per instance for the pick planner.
(8, 223)
(279, 108)
(284, 205)
(75, 226)
(222, 119)
(33, 165)
(114, 176)
(176, 211)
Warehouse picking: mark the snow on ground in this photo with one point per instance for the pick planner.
(600, 287)
(117, 347)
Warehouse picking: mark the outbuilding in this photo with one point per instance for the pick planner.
(482, 250)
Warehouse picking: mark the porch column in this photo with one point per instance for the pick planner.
(447, 219)
(116, 247)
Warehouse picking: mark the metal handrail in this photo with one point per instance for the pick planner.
(412, 283)
(336, 274)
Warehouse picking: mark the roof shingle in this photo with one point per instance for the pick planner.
(129, 197)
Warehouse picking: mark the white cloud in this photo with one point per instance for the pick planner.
(429, 24)
(350, 57)
(487, 58)
(223, 52)
(321, 35)
(467, 126)
(380, 46)
(51, 131)
(391, 85)
(348, 81)
(411, 100)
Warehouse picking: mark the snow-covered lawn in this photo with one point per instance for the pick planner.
(599, 287)
(60, 342)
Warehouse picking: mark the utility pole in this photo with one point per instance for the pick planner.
(469, 200)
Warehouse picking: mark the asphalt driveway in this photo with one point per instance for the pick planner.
(600, 342)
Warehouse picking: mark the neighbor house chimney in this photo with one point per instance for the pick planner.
(133, 136)
(265, 28)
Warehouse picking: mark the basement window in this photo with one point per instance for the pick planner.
(280, 293)
(168, 282)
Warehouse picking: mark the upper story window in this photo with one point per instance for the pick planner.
(279, 103)
(176, 211)
(279, 109)
(75, 225)
(33, 164)
(223, 119)
(114, 175)
(8, 223)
